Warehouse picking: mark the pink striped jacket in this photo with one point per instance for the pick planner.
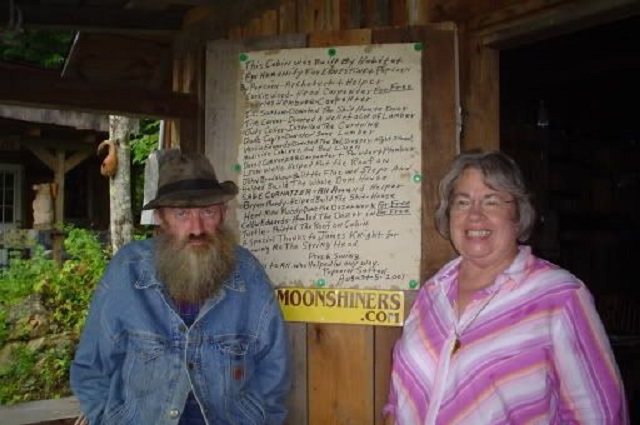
(532, 351)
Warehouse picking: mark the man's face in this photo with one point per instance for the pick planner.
(192, 225)
(195, 253)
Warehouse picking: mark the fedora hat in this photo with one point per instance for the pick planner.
(188, 180)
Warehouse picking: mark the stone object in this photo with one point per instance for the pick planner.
(42, 206)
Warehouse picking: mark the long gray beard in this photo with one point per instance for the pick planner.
(195, 273)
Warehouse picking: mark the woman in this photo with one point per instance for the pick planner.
(499, 336)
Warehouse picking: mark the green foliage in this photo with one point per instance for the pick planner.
(36, 374)
(65, 291)
(19, 280)
(144, 142)
(14, 378)
(47, 49)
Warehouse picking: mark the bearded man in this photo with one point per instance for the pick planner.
(184, 328)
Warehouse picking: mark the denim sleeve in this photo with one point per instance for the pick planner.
(273, 375)
(94, 363)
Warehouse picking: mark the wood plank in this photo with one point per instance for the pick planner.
(369, 14)
(269, 22)
(416, 12)
(305, 16)
(382, 12)
(398, 13)
(481, 94)
(57, 93)
(287, 19)
(521, 24)
(340, 378)
(317, 11)
(348, 14)
(298, 397)
(340, 38)
(385, 339)
(510, 12)
(38, 412)
(97, 122)
(335, 14)
(225, 16)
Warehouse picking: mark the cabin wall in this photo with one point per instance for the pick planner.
(341, 371)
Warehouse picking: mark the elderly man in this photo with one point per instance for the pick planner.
(184, 328)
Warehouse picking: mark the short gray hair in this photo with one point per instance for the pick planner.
(500, 173)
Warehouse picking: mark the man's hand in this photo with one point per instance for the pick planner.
(83, 421)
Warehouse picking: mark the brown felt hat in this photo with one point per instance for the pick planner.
(188, 180)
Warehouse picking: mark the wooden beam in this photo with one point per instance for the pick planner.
(67, 144)
(464, 10)
(76, 159)
(44, 156)
(98, 18)
(523, 23)
(79, 120)
(52, 93)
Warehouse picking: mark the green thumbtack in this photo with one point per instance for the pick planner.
(332, 52)
(320, 283)
(418, 47)
(413, 284)
(417, 178)
(236, 167)
(243, 57)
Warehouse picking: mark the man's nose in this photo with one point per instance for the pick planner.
(196, 227)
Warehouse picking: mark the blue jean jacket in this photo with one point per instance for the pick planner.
(137, 361)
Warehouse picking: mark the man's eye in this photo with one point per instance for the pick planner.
(181, 215)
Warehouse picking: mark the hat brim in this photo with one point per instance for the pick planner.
(195, 198)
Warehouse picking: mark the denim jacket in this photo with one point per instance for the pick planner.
(137, 361)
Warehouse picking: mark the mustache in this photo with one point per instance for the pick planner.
(184, 241)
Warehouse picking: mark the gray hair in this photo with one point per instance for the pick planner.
(500, 173)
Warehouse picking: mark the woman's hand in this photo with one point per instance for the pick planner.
(389, 419)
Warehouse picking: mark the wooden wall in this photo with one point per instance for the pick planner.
(342, 371)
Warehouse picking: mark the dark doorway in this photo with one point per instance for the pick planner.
(570, 117)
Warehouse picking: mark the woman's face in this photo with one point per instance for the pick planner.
(482, 222)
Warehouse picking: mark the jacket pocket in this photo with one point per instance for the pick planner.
(145, 363)
(236, 360)
(232, 363)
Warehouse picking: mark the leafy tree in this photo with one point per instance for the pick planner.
(44, 48)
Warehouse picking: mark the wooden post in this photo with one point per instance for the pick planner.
(60, 165)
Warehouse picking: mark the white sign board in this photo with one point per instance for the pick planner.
(330, 165)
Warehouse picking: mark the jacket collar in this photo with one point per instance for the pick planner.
(514, 273)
